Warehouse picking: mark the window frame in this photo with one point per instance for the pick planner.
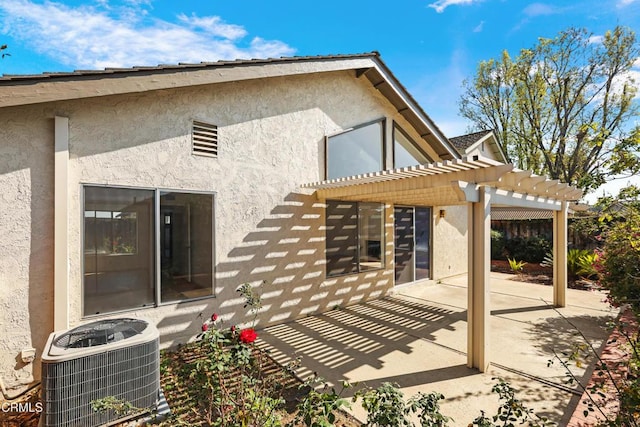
(397, 127)
(383, 131)
(156, 246)
(357, 255)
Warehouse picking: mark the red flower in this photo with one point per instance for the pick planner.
(205, 327)
(214, 317)
(248, 335)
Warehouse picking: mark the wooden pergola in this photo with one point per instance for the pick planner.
(479, 183)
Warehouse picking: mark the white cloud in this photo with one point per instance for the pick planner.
(441, 5)
(625, 3)
(479, 27)
(214, 26)
(539, 9)
(535, 10)
(102, 36)
(595, 39)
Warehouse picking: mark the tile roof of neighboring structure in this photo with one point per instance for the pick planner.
(463, 142)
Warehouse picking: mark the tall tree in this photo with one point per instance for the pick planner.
(564, 107)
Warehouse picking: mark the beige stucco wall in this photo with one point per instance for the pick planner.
(267, 230)
(450, 241)
(26, 227)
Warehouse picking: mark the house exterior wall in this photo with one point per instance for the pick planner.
(26, 224)
(450, 241)
(267, 230)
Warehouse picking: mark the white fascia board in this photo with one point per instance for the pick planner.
(511, 198)
(50, 89)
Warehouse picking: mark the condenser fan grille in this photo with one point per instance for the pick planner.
(100, 333)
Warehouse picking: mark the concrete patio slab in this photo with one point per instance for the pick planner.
(417, 339)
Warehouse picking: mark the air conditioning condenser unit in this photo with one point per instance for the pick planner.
(112, 357)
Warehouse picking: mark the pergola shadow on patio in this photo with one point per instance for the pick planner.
(417, 339)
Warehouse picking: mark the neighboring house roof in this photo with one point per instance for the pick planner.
(463, 142)
(466, 144)
(50, 87)
(523, 214)
(519, 214)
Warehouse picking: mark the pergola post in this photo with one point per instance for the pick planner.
(560, 243)
(478, 308)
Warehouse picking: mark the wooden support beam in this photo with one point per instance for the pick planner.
(560, 243)
(478, 308)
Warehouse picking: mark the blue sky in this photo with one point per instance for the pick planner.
(431, 46)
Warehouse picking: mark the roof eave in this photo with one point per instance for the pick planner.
(25, 90)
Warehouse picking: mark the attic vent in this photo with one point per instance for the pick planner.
(204, 139)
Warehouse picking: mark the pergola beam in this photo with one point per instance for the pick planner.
(511, 198)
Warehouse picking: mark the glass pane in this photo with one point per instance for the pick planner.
(405, 151)
(342, 237)
(371, 232)
(423, 242)
(403, 230)
(186, 245)
(355, 152)
(118, 249)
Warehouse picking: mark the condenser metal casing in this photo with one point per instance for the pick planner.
(113, 357)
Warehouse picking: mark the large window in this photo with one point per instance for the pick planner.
(127, 231)
(354, 237)
(356, 151)
(406, 151)
(186, 245)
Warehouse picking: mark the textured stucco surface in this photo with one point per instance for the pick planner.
(271, 134)
(450, 247)
(26, 226)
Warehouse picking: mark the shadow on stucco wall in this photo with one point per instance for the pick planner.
(286, 253)
(41, 254)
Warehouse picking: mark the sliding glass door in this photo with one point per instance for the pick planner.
(412, 231)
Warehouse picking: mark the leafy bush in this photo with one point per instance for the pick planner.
(580, 263)
(385, 406)
(532, 250)
(512, 412)
(318, 408)
(516, 266)
(620, 263)
(234, 388)
(497, 245)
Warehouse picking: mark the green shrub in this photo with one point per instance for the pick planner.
(234, 389)
(516, 266)
(532, 250)
(580, 263)
(319, 408)
(497, 245)
(619, 266)
(385, 406)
